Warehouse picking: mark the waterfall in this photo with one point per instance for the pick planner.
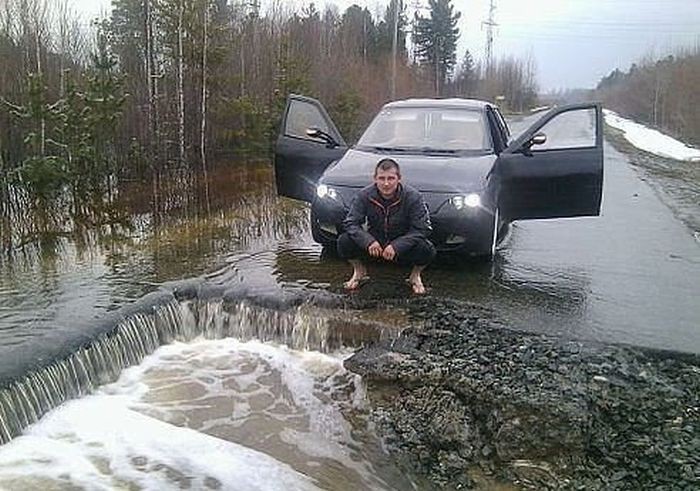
(25, 400)
(140, 332)
(303, 327)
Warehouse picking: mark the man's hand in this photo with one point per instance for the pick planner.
(389, 253)
(375, 249)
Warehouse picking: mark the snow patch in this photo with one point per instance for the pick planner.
(651, 140)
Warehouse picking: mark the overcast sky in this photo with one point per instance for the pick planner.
(573, 42)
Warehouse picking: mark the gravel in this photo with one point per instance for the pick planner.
(462, 400)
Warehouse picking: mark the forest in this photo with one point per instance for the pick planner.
(660, 92)
(168, 87)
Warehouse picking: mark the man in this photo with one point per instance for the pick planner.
(398, 227)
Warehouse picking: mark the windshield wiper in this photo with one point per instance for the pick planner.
(389, 149)
(436, 150)
(442, 151)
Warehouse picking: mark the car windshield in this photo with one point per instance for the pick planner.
(428, 129)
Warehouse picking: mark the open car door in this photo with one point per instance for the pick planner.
(307, 143)
(555, 168)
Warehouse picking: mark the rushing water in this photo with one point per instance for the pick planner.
(215, 408)
(209, 414)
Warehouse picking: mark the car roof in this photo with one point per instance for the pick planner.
(452, 102)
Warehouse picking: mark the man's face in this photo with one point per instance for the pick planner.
(387, 181)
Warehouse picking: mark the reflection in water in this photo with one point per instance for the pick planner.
(68, 275)
(31, 226)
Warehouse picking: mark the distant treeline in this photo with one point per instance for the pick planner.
(161, 86)
(664, 93)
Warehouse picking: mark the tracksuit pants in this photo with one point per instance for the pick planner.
(421, 254)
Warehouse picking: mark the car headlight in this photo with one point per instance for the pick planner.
(322, 191)
(471, 200)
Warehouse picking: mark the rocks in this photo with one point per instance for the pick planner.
(465, 393)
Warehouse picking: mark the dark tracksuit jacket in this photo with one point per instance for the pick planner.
(403, 222)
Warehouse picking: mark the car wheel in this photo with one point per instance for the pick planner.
(318, 235)
(487, 249)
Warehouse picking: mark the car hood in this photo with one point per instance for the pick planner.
(427, 173)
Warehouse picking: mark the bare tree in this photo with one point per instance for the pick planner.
(34, 21)
(151, 75)
(203, 129)
(181, 82)
(72, 41)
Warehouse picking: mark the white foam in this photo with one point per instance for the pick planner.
(70, 442)
(651, 140)
(123, 434)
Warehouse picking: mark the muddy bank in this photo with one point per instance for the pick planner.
(469, 403)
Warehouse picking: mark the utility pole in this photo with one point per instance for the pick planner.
(394, 48)
(490, 24)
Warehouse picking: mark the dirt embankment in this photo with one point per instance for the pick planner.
(468, 403)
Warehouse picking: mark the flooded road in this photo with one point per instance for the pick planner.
(629, 276)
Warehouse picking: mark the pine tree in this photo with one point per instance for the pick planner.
(104, 101)
(467, 77)
(358, 32)
(435, 38)
(42, 172)
(385, 29)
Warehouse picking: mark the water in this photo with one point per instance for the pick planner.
(629, 276)
(219, 400)
(67, 282)
(210, 410)
(209, 414)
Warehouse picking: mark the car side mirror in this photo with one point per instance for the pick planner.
(314, 132)
(538, 139)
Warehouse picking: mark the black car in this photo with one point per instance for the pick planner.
(459, 154)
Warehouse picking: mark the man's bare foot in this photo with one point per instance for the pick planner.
(359, 275)
(416, 285)
(355, 283)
